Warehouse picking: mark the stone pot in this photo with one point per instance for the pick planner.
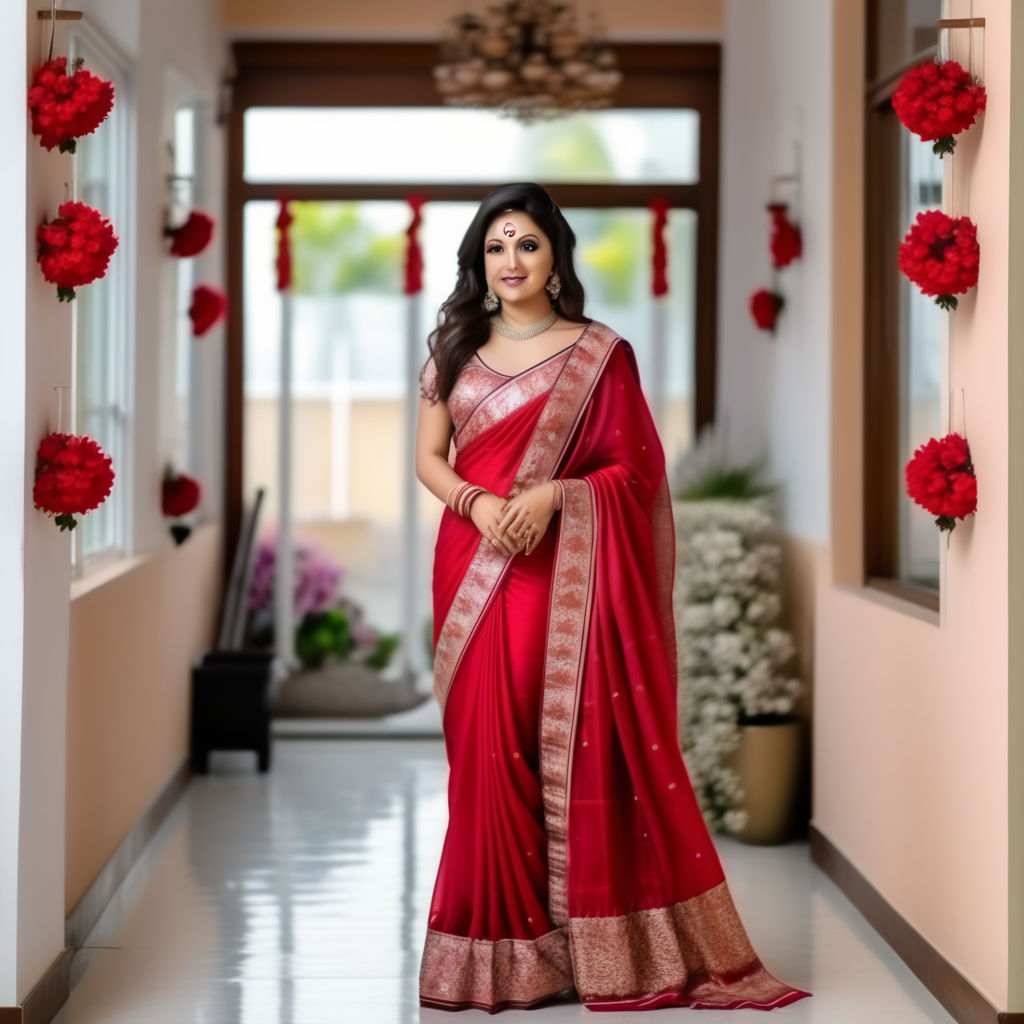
(768, 762)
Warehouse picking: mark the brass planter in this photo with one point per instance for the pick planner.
(768, 762)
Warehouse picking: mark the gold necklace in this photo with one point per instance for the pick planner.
(506, 330)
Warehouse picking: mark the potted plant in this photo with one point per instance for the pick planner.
(741, 737)
(343, 660)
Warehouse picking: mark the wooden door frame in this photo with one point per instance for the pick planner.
(662, 75)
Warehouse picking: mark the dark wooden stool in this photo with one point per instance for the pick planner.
(231, 706)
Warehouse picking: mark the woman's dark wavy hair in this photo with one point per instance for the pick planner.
(462, 325)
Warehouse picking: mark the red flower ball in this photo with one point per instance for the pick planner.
(938, 101)
(765, 307)
(786, 242)
(75, 249)
(65, 107)
(940, 255)
(73, 476)
(940, 478)
(193, 236)
(180, 494)
(208, 306)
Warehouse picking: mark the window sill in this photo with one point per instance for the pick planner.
(104, 573)
(898, 597)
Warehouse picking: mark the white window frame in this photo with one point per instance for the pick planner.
(107, 59)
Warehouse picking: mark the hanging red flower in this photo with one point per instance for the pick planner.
(65, 107)
(938, 101)
(180, 493)
(73, 476)
(208, 306)
(786, 242)
(75, 249)
(940, 255)
(192, 237)
(765, 307)
(940, 478)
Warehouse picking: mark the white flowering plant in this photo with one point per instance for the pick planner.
(733, 655)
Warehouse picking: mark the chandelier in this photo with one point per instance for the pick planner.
(526, 58)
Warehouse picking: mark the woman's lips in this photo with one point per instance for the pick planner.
(513, 281)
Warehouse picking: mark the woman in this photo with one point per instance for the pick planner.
(576, 857)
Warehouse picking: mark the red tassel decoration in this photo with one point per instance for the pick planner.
(413, 252)
(659, 252)
(284, 247)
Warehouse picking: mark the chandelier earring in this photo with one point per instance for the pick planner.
(491, 301)
(554, 286)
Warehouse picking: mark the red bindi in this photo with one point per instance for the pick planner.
(509, 229)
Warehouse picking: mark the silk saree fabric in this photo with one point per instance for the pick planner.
(576, 858)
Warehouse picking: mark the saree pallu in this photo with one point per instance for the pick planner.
(576, 857)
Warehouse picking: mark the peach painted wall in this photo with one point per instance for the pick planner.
(911, 763)
(394, 19)
(135, 629)
(133, 640)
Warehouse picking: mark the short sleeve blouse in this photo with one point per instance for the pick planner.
(428, 382)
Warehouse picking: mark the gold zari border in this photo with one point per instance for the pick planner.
(457, 972)
(697, 951)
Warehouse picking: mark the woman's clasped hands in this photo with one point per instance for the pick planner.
(516, 524)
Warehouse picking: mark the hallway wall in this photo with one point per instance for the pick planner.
(132, 643)
(35, 559)
(135, 629)
(910, 710)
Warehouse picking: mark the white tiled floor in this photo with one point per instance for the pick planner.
(301, 897)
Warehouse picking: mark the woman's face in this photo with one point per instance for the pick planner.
(518, 258)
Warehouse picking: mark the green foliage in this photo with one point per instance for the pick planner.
(728, 483)
(615, 257)
(335, 250)
(321, 634)
(387, 644)
(571, 148)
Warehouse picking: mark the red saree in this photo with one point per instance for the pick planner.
(576, 856)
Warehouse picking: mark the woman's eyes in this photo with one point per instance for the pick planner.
(526, 247)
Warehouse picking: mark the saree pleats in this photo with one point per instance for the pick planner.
(576, 854)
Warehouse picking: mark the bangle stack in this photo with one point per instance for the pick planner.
(461, 497)
(559, 494)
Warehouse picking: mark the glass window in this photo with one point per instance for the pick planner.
(185, 170)
(102, 324)
(437, 144)
(904, 398)
(921, 370)
(350, 375)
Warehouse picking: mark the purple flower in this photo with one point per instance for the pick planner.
(317, 577)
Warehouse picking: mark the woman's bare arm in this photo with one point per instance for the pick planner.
(433, 440)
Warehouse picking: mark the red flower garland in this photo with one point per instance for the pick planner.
(940, 255)
(786, 242)
(765, 307)
(180, 493)
(192, 237)
(938, 101)
(63, 106)
(73, 476)
(75, 249)
(940, 478)
(208, 306)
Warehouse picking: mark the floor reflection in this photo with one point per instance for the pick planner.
(301, 897)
